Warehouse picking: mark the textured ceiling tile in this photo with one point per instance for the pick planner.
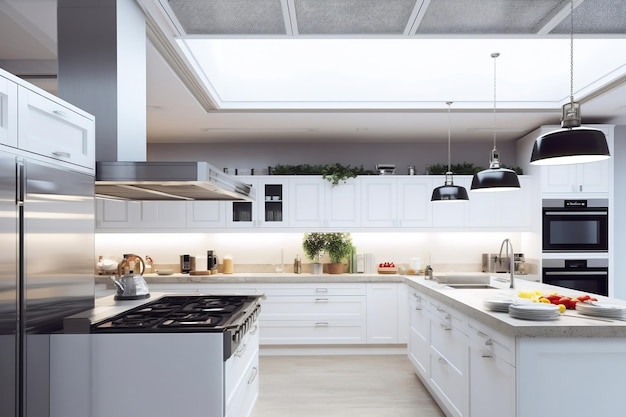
(328, 17)
(485, 16)
(230, 17)
(596, 16)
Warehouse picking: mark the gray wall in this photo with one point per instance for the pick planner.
(260, 156)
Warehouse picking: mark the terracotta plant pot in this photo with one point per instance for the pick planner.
(335, 268)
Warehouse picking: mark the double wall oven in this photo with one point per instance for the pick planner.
(575, 241)
(187, 355)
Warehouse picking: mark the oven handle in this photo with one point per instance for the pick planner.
(577, 213)
(576, 273)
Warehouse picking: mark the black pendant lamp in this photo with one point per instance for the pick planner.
(495, 178)
(448, 191)
(572, 144)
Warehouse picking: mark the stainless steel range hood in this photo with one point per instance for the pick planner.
(167, 181)
(107, 78)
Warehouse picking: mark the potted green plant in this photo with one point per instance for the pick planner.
(313, 245)
(338, 247)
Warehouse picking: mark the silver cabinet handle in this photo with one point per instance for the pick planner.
(252, 377)
(59, 113)
(442, 361)
(324, 290)
(321, 300)
(61, 154)
(418, 307)
(321, 324)
(241, 350)
(445, 326)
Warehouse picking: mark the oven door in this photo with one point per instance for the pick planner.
(590, 276)
(580, 230)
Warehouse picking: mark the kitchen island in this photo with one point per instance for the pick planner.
(480, 363)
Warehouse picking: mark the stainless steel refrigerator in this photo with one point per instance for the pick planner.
(46, 270)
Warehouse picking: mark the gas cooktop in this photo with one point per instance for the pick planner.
(195, 313)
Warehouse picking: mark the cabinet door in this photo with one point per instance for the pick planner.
(378, 201)
(163, 215)
(403, 313)
(244, 213)
(209, 214)
(491, 384)
(273, 201)
(140, 215)
(382, 313)
(594, 177)
(306, 204)
(342, 204)
(113, 214)
(49, 128)
(419, 334)
(498, 210)
(414, 206)
(8, 112)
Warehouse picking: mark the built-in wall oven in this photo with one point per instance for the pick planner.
(588, 275)
(575, 225)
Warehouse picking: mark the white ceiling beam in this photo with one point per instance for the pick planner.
(417, 15)
(554, 18)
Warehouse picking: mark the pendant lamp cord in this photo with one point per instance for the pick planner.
(571, 54)
(449, 103)
(494, 55)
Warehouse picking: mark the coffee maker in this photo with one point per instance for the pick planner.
(185, 264)
(211, 260)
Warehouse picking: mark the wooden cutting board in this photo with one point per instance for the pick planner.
(200, 273)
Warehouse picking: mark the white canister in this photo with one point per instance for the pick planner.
(416, 264)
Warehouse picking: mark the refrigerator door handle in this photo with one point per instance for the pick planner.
(21, 183)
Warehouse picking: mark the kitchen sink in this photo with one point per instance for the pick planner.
(471, 286)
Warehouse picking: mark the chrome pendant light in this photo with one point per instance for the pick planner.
(572, 144)
(495, 178)
(448, 191)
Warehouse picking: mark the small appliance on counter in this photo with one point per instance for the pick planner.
(185, 264)
(493, 264)
(211, 260)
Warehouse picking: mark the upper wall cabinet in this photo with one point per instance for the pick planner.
(141, 215)
(8, 112)
(54, 130)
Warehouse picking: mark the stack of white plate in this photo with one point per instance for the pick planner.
(534, 311)
(601, 310)
(498, 304)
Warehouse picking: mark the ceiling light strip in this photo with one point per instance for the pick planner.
(553, 19)
(416, 17)
(290, 18)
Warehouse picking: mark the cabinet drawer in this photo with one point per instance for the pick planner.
(53, 130)
(246, 392)
(448, 315)
(491, 342)
(418, 301)
(303, 332)
(449, 384)
(321, 289)
(449, 343)
(419, 352)
(314, 308)
(237, 365)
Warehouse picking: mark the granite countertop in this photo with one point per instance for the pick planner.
(259, 278)
(569, 324)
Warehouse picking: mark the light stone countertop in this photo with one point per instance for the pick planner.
(570, 324)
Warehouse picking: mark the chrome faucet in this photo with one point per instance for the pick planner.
(508, 244)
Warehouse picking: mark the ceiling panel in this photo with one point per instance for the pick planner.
(597, 17)
(228, 17)
(342, 17)
(485, 16)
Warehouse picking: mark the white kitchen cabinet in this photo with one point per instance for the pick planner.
(241, 382)
(382, 313)
(403, 313)
(491, 372)
(588, 178)
(414, 208)
(273, 201)
(55, 130)
(244, 214)
(140, 215)
(342, 204)
(419, 333)
(378, 201)
(306, 205)
(8, 112)
(205, 214)
(498, 210)
(309, 314)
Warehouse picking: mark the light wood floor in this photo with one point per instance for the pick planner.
(340, 386)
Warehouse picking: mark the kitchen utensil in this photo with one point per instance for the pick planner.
(131, 285)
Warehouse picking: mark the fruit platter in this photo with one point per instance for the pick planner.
(562, 301)
(387, 268)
